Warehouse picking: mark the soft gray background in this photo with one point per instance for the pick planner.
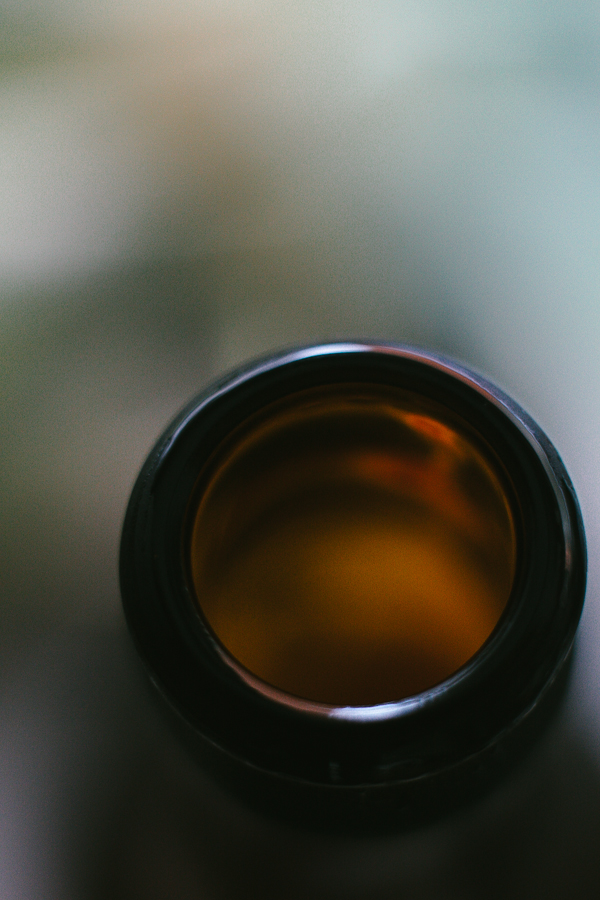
(184, 186)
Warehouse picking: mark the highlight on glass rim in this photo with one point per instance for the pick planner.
(356, 565)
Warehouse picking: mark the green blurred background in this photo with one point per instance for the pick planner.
(184, 186)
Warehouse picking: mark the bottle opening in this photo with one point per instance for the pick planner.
(352, 545)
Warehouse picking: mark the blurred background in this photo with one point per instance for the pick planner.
(184, 186)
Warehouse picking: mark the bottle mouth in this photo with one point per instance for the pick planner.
(351, 545)
(355, 564)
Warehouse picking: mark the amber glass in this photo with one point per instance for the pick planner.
(352, 545)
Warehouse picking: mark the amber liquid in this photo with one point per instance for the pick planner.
(352, 545)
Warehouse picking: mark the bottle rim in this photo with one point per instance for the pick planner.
(461, 717)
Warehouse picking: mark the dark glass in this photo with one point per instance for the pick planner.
(355, 573)
(353, 545)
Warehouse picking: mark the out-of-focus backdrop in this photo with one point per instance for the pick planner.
(184, 186)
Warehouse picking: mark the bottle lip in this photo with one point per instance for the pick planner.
(413, 737)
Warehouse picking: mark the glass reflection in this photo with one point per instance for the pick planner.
(352, 545)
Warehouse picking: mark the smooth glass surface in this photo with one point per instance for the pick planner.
(352, 545)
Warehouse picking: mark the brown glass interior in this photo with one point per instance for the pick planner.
(352, 545)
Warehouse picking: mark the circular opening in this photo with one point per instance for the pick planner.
(352, 545)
